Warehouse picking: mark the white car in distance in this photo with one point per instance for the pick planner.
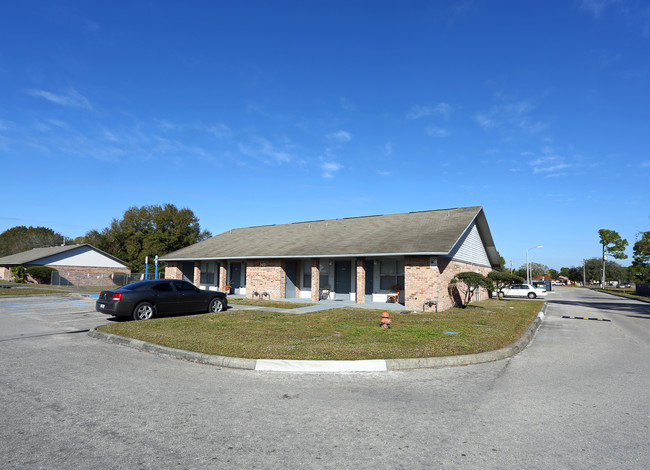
(522, 290)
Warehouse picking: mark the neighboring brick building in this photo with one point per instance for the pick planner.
(84, 264)
(357, 258)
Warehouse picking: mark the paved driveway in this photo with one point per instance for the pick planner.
(576, 398)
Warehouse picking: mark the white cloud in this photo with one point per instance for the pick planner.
(441, 109)
(437, 132)
(549, 164)
(340, 136)
(510, 115)
(346, 104)
(166, 125)
(632, 12)
(388, 149)
(262, 148)
(73, 99)
(221, 131)
(484, 121)
(329, 168)
(596, 7)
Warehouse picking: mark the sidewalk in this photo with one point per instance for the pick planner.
(321, 305)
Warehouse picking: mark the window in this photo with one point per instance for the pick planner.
(324, 274)
(165, 287)
(183, 286)
(209, 273)
(391, 272)
(306, 274)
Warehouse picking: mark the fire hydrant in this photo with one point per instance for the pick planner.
(385, 320)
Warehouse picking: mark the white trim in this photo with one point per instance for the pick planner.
(277, 365)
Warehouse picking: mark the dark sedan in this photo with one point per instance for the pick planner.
(146, 299)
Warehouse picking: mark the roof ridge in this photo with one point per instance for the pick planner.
(355, 217)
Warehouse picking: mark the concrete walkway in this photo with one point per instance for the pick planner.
(321, 305)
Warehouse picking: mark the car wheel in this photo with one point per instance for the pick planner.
(531, 295)
(216, 305)
(143, 311)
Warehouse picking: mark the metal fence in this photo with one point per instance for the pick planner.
(99, 280)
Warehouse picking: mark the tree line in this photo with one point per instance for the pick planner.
(142, 231)
(603, 268)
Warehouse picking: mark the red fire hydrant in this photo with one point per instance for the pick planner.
(385, 320)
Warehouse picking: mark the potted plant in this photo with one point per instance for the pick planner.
(228, 286)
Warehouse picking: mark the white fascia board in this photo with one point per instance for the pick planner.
(347, 255)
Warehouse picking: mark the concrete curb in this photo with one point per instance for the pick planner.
(376, 365)
(468, 359)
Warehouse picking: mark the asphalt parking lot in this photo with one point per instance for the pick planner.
(575, 398)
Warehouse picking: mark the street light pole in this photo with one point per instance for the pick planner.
(528, 265)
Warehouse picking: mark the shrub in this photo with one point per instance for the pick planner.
(502, 279)
(467, 283)
(18, 274)
(42, 274)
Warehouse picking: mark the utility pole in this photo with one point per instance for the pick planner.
(528, 265)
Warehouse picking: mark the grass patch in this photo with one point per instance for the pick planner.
(629, 293)
(28, 291)
(340, 334)
(268, 303)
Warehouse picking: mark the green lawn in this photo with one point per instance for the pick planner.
(267, 303)
(629, 293)
(25, 289)
(339, 334)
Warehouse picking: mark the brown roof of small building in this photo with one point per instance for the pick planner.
(427, 232)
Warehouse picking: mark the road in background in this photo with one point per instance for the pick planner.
(575, 398)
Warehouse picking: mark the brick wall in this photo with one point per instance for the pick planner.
(424, 283)
(265, 276)
(315, 279)
(197, 273)
(173, 270)
(361, 280)
(93, 277)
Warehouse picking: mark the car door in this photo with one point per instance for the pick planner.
(188, 298)
(516, 291)
(164, 298)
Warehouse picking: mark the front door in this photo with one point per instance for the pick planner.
(188, 272)
(235, 277)
(291, 279)
(342, 279)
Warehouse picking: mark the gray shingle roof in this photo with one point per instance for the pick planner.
(34, 255)
(427, 232)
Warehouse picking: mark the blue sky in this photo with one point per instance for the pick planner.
(253, 113)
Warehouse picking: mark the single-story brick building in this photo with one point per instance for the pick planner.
(358, 259)
(85, 264)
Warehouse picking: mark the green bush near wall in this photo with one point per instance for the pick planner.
(42, 274)
(18, 274)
